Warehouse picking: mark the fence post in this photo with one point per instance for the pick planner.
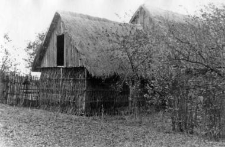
(3, 86)
(61, 89)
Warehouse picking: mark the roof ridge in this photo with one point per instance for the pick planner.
(93, 18)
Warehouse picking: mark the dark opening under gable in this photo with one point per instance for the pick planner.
(60, 50)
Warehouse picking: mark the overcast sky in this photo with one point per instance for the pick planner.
(23, 19)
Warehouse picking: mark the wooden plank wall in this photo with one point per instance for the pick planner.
(144, 19)
(71, 55)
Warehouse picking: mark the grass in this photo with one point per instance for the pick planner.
(24, 127)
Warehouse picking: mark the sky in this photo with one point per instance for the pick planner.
(23, 19)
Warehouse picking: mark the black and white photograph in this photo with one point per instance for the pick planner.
(112, 73)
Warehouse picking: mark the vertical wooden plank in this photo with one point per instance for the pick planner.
(61, 84)
(78, 57)
(68, 50)
(51, 51)
(61, 27)
(49, 54)
(85, 90)
(71, 53)
(65, 50)
(74, 56)
(54, 48)
(44, 60)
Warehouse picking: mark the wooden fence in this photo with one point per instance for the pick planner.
(63, 90)
(19, 90)
(198, 106)
(73, 91)
(66, 91)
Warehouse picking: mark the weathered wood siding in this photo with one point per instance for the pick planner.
(71, 55)
(142, 17)
(2, 87)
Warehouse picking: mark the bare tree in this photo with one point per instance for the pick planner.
(6, 61)
(136, 53)
(32, 48)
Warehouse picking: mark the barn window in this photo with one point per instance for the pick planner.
(60, 50)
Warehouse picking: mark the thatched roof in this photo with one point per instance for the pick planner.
(90, 36)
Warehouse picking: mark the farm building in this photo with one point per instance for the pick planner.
(74, 65)
(147, 16)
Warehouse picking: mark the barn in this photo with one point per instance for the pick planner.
(148, 17)
(76, 73)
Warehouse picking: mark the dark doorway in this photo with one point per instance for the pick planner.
(60, 50)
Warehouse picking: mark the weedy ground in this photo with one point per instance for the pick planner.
(24, 127)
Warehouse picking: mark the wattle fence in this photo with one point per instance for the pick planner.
(19, 90)
(60, 94)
